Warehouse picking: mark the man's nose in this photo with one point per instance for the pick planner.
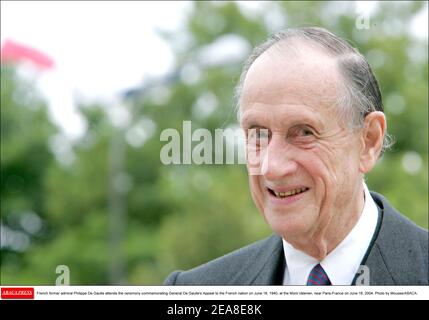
(277, 162)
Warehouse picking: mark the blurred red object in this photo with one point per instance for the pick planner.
(13, 52)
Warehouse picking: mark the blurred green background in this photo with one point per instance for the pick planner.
(108, 209)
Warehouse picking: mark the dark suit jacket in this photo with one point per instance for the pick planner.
(397, 255)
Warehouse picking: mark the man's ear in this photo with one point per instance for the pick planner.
(372, 139)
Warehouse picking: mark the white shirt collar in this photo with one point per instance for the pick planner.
(343, 262)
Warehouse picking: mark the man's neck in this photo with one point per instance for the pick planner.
(324, 240)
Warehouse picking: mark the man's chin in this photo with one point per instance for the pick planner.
(291, 229)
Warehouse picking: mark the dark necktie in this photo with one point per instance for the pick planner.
(318, 277)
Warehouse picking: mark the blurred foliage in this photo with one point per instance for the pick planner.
(183, 215)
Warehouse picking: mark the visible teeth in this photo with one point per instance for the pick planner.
(289, 193)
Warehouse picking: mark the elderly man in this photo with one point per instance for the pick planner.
(313, 116)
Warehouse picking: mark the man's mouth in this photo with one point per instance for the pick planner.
(287, 193)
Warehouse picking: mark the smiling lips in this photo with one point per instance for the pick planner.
(289, 193)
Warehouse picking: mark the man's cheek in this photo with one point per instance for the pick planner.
(257, 191)
(325, 185)
(322, 169)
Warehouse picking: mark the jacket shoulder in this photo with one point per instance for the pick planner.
(402, 246)
(233, 268)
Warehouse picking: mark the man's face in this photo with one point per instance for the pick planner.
(308, 159)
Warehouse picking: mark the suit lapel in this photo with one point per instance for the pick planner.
(266, 267)
(373, 259)
(272, 271)
(378, 272)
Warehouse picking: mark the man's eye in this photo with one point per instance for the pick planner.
(257, 135)
(306, 132)
(301, 132)
(262, 134)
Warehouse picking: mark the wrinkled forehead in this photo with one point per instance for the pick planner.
(292, 73)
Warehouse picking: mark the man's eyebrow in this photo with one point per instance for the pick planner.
(253, 125)
(252, 120)
(256, 126)
(305, 121)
